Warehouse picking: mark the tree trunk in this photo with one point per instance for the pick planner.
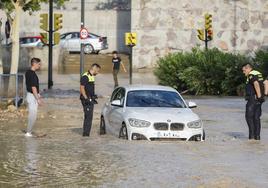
(1, 58)
(15, 51)
(15, 40)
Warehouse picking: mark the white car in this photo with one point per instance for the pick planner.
(33, 41)
(144, 112)
(93, 44)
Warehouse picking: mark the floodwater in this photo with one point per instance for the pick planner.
(63, 158)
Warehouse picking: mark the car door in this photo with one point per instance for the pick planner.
(74, 42)
(64, 42)
(94, 41)
(116, 112)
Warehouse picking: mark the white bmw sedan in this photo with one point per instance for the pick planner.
(144, 112)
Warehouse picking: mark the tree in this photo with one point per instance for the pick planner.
(1, 62)
(13, 10)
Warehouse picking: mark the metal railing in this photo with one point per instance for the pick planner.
(11, 87)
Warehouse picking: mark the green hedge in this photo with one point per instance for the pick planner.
(207, 72)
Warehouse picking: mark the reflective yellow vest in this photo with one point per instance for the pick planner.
(255, 73)
(90, 77)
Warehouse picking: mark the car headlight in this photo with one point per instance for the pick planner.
(195, 124)
(138, 123)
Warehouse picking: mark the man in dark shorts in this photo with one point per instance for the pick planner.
(87, 96)
(33, 97)
(116, 67)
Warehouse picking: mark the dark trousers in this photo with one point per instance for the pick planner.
(115, 73)
(88, 117)
(253, 114)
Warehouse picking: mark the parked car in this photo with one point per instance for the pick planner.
(150, 113)
(94, 44)
(31, 41)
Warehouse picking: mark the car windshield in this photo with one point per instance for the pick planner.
(154, 98)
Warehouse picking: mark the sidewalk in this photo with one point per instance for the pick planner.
(104, 82)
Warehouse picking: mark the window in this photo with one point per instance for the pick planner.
(119, 94)
(114, 93)
(68, 36)
(154, 98)
(75, 35)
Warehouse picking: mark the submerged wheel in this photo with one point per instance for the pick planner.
(102, 126)
(123, 132)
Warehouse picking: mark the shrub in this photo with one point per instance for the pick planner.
(202, 72)
(261, 61)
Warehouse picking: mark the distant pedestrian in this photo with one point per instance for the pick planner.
(88, 97)
(33, 97)
(255, 98)
(116, 67)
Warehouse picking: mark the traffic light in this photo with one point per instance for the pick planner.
(57, 22)
(44, 22)
(209, 34)
(130, 39)
(208, 21)
(201, 34)
(44, 38)
(56, 38)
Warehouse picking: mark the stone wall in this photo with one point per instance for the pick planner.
(26, 54)
(165, 26)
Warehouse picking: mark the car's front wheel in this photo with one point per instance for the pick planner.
(102, 126)
(123, 132)
(88, 49)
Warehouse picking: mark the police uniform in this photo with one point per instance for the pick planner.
(253, 107)
(88, 81)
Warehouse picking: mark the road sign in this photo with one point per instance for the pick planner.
(131, 39)
(83, 33)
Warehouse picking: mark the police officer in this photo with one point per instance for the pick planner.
(87, 96)
(255, 98)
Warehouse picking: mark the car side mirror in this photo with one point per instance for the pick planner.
(192, 105)
(116, 103)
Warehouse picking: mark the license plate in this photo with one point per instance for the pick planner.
(168, 135)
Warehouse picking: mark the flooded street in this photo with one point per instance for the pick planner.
(63, 158)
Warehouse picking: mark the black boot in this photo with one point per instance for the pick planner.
(85, 134)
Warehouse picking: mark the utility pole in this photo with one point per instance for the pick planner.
(206, 39)
(130, 65)
(130, 41)
(82, 55)
(50, 45)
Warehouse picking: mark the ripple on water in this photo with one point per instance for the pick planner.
(36, 163)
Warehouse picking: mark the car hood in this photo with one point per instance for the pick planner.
(182, 115)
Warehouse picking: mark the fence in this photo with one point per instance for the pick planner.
(11, 87)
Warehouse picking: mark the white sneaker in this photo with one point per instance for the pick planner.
(28, 134)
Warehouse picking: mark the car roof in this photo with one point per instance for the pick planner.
(136, 87)
(39, 37)
(79, 33)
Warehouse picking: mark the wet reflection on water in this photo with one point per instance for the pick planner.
(28, 162)
(31, 159)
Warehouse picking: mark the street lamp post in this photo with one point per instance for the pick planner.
(82, 57)
(50, 45)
